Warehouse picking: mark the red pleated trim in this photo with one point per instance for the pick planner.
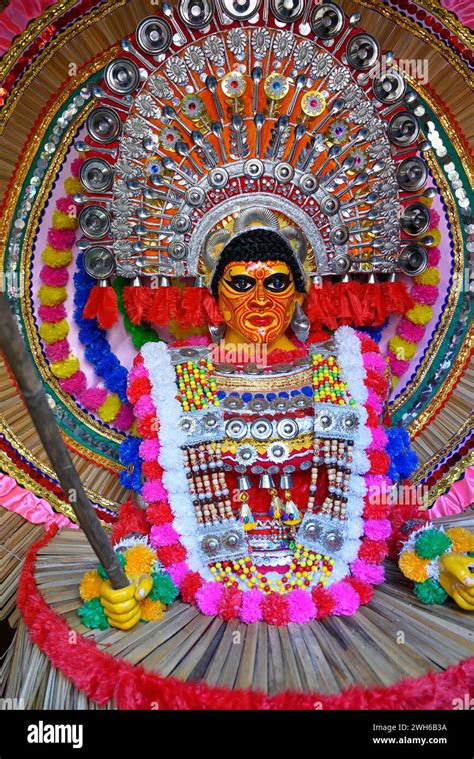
(103, 677)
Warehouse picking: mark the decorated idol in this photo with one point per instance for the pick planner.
(267, 203)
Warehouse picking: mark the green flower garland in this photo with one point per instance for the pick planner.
(430, 592)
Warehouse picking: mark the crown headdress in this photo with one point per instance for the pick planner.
(250, 109)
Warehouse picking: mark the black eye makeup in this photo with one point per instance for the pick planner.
(241, 283)
(277, 283)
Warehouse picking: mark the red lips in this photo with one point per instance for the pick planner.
(261, 321)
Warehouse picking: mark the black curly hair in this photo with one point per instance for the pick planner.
(258, 245)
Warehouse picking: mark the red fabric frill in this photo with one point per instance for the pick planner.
(104, 678)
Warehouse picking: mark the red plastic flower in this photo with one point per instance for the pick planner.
(377, 382)
(152, 470)
(275, 609)
(364, 591)
(379, 462)
(230, 602)
(171, 554)
(147, 426)
(159, 512)
(323, 601)
(139, 387)
(373, 551)
(190, 586)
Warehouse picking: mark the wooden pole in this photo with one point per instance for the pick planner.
(29, 383)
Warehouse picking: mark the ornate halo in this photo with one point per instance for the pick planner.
(235, 133)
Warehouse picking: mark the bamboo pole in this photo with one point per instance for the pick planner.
(22, 367)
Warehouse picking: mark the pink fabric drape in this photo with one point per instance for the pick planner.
(35, 510)
(16, 17)
(459, 497)
(464, 10)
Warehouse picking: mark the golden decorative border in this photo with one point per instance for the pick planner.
(22, 450)
(50, 50)
(443, 452)
(34, 29)
(454, 474)
(446, 387)
(8, 467)
(258, 383)
(392, 14)
(458, 274)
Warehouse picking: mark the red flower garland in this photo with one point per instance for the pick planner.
(104, 678)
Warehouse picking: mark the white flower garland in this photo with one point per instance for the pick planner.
(350, 362)
(163, 392)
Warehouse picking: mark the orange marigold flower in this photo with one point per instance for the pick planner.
(90, 586)
(463, 540)
(139, 560)
(413, 566)
(151, 610)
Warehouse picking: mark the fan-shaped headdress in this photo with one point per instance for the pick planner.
(222, 116)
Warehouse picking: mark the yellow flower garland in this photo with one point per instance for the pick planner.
(65, 369)
(151, 611)
(52, 332)
(52, 296)
(56, 259)
(402, 348)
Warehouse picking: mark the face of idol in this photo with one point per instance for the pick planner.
(258, 299)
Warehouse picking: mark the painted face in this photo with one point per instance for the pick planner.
(257, 299)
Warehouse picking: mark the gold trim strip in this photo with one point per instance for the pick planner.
(392, 14)
(443, 452)
(33, 30)
(454, 474)
(445, 389)
(50, 50)
(22, 450)
(264, 382)
(8, 467)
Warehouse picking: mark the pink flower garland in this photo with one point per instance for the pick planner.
(56, 351)
(253, 605)
(412, 326)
